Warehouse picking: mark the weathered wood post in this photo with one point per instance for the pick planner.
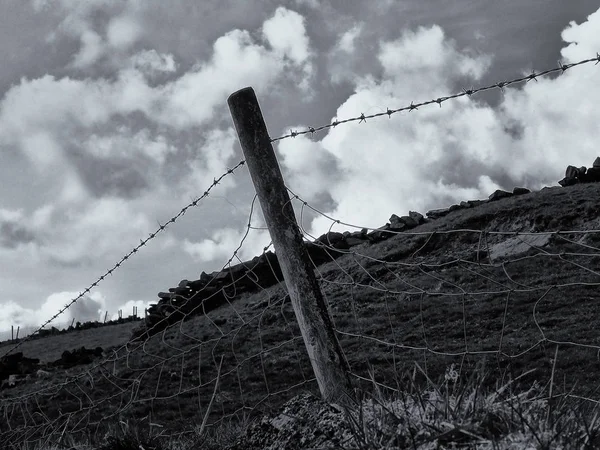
(328, 362)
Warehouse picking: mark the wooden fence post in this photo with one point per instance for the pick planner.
(12, 332)
(324, 351)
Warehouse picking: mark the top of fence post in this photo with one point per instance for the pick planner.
(329, 364)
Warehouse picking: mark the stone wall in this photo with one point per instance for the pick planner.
(209, 291)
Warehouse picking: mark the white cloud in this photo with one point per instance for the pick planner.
(42, 150)
(583, 39)
(309, 162)
(190, 100)
(237, 61)
(286, 34)
(343, 60)
(220, 246)
(122, 32)
(90, 232)
(434, 157)
(151, 62)
(98, 39)
(346, 43)
(125, 144)
(87, 308)
(222, 243)
(427, 50)
(91, 49)
(58, 103)
(10, 215)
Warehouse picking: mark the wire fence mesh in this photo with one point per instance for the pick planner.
(450, 293)
(217, 341)
(511, 286)
(119, 263)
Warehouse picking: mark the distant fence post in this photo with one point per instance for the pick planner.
(328, 362)
(12, 332)
(18, 328)
(105, 314)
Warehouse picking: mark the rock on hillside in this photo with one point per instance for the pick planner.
(305, 422)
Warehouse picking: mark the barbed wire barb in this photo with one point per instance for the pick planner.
(125, 258)
(469, 92)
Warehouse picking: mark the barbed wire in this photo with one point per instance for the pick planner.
(165, 320)
(376, 283)
(413, 106)
(141, 359)
(142, 243)
(130, 361)
(152, 376)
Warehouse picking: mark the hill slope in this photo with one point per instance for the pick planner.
(462, 289)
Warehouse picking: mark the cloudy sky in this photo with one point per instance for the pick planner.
(113, 117)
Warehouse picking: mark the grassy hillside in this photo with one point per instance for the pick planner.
(451, 292)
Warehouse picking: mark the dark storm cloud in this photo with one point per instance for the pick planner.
(120, 178)
(459, 169)
(13, 234)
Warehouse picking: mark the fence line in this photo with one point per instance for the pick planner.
(395, 283)
(160, 324)
(128, 255)
(109, 372)
(360, 285)
(362, 118)
(231, 344)
(413, 106)
(21, 331)
(227, 264)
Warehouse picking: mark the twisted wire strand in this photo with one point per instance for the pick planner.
(415, 276)
(392, 273)
(130, 345)
(134, 362)
(413, 106)
(142, 243)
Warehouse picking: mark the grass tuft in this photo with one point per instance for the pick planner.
(464, 414)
